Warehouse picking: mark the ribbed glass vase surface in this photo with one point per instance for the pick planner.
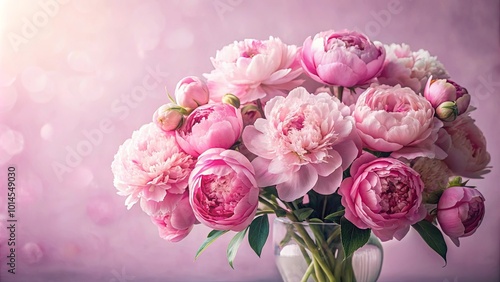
(313, 252)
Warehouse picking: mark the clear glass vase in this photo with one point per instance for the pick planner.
(313, 252)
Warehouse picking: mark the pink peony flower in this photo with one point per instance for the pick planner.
(305, 142)
(410, 69)
(395, 119)
(383, 194)
(467, 155)
(150, 165)
(191, 92)
(223, 191)
(176, 224)
(460, 212)
(210, 126)
(169, 117)
(343, 58)
(254, 69)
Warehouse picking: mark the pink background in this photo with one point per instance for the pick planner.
(73, 79)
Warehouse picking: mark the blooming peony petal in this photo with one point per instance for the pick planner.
(298, 185)
(329, 184)
(150, 165)
(253, 69)
(262, 175)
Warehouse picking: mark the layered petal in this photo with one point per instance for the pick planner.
(342, 58)
(254, 69)
(383, 194)
(305, 141)
(149, 166)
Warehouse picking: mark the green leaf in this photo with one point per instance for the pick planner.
(170, 97)
(315, 220)
(332, 216)
(258, 232)
(280, 212)
(214, 234)
(233, 246)
(432, 236)
(353, 238)
(317, 202)
(286, 239)
(269, 191)
(379, 154)
(346, 173)
(303, 214)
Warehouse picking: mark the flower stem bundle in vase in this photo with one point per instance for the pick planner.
(328, 261)
(377, 147)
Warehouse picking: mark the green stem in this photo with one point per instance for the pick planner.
(259, 106)
(267, 203)
(325, 202)
(326, 250)
(308, 273)
(341, 92)
(313, 248)
(303, 247)
(320, 241)
(332, 89)
(338, 264)
(348, 272)
(264, 212)
(335, 235)
(317, 269)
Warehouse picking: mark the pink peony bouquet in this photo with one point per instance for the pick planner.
(380, 142)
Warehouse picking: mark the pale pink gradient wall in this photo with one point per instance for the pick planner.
(82, 75)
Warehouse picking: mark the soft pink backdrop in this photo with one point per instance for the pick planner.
(72, 79)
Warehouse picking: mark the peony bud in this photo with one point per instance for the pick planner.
(463, 103)
(461, 91)
(250, 114)
(191, 92)
(169, 117)
(460, 211)
(447, 111)
(463, 97)
(457, 181)
(231, 100)
(439, 91)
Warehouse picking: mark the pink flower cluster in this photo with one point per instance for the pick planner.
(386, 130)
